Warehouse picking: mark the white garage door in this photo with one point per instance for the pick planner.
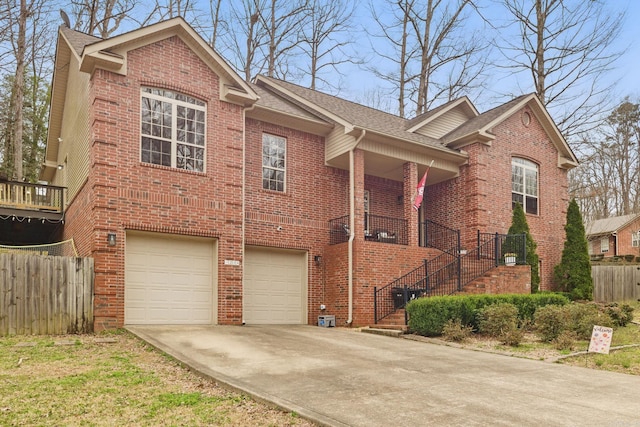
(169, 279)
(275, 286)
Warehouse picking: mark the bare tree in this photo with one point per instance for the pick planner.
(100, 18)
(396, 34)
(608, 180)
(324, 38)
(24, 47)
(437, 54)
(283, 20)
(565, 46)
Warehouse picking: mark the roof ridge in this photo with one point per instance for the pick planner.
(396, 116)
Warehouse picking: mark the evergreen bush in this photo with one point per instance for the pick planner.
(573, 274)
(519, 225)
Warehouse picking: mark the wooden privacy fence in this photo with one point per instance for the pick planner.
(616, 283)
(45, 294)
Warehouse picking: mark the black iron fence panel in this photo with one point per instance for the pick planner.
(502, 248)
(339, 230)
(434, 235)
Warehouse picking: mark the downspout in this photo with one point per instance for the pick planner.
(244, 181)
(352, 223)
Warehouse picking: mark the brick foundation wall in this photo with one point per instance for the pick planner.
(502, 280)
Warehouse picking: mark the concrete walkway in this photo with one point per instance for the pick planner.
(341, 377)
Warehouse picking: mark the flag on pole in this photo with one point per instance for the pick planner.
(420, 190)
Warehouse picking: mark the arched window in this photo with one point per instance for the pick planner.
(524, 184)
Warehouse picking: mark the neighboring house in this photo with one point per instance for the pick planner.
(615, 236)
(205, 199)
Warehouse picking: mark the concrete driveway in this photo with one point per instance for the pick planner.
(342, 377)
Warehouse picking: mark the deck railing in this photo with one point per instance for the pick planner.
(31, 197)
(377, 228)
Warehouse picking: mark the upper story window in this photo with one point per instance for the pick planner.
(274, 150)
(635, 239)
(172, 129)
(604, 244)
(524, 184)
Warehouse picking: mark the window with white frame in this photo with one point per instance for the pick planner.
(274, 151)
(524, 184)
(604, 244)
(635, 239)
(172, 129)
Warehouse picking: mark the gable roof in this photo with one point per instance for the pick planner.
(606, 226)
(349, 114)
(111, 54)
(425, 118)
(480, 128)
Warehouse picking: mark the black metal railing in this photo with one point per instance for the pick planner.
(448, 273)
(33, 197)
(377, 228)
(434, 235)
(339, 230)
(438, 276)
(386, 230)
(502, 248)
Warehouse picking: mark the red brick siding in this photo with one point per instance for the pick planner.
(480, 198)
(619, 245)
(133, 195)
(502, 280)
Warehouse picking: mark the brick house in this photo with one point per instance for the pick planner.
(615, 236)
(205, 199)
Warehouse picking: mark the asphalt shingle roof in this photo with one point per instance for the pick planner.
(358, 115)
(78, 40)
(482, 120)
(608, 225)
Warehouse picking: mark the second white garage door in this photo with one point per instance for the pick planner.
(275, 286)
(169, 279)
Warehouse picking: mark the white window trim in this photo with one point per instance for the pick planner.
(174, 129)
(283, 169)
(531, 166)
(604, 244)
(635, 239)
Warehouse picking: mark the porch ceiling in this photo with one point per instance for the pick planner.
(382, 166)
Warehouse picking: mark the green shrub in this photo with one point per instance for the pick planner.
(454, 330)
(498, 319)
(550, 321)
(582, 318)
(621, 315)
(565, 341)
(513, 338)
(629, 257)
(427, 316)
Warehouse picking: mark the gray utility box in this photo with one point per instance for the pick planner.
(327, 321)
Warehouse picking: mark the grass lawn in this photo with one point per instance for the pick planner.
(115, 379)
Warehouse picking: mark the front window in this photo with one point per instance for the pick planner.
(635, 239)
(172, 129)
(524, 185)
(274, 150)
(604, 244)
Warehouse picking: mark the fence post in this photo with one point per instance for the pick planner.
(459, 267)
(524, 249)
(375, 305)
(496, 249)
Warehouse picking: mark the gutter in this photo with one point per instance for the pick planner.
(352, 223)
